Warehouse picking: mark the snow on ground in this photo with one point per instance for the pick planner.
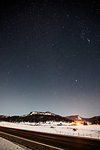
(7, 145)
(91, 131)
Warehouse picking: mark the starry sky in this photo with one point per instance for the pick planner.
(50, 57)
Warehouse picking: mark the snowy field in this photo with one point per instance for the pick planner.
(90, 131)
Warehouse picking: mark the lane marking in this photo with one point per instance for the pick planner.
(32, 141)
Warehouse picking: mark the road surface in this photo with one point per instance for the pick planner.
(45, 141)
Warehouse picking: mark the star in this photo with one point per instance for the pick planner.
(76, 80)
(88, 40)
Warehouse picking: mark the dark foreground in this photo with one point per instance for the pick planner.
(45, 141)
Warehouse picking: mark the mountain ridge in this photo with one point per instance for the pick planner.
(36, 116)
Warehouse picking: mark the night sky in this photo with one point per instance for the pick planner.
(50, 57)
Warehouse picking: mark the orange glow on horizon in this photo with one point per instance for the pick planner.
(78, 124)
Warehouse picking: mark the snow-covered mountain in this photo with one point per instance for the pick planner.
(36, 116)
(74, 118)
(41, 113)
(93, 120)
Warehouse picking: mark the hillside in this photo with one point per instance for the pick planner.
(36, 116)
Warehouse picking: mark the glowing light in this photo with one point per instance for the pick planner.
(78, 124)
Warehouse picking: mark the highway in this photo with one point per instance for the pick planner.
(45, 141)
